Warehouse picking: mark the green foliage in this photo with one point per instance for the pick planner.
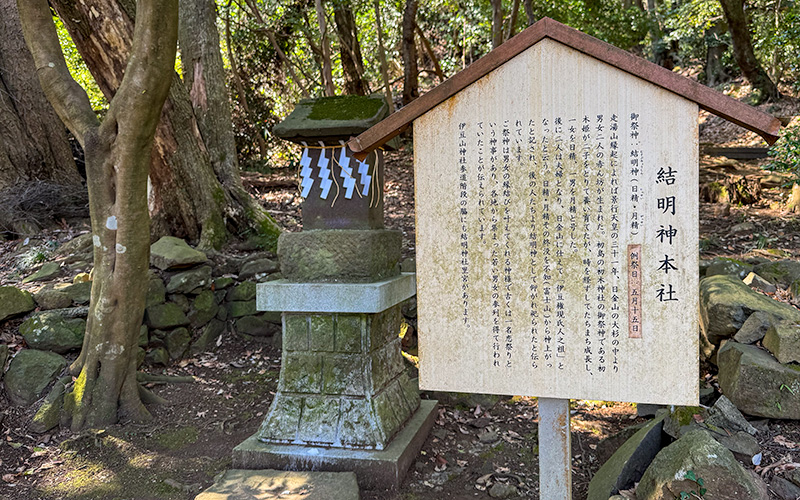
(694, 493)
(785, 153)
(77, 67)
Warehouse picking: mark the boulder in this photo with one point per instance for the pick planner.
(50, 331)
(181, 300)
(786, 490)
(627, 465)
(239, 309)
(242, 291)
(170, 253)
(756, 383)
(725, 266)
(80, 293)
(44, 273)
(258, 269)
(223, 283)
(783, 341)
(192, 279)
(29, 374)
(52, 299)
(203, 308)
(49, 414)
(157, 356)
(144, 338)
(156, 292)
(256, 326)
(177, 342)
(3, 359)
(694, 458)
(739, 442)
(14, 302)
(725, 415)
(726, 302)
(754, 328)
(165, 316)
(757, 282)
(780, 272)
(208, 336)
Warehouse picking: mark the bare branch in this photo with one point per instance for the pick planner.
(66, 96)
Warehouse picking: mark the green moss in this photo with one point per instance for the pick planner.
(347, 107)
(178, 438)
(267, 233)
(683, 414)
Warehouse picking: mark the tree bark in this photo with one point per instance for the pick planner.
(382, 57)
(715, 49)
(437, 68)
(512, 23)
(497, 23)
(350, 50)
(117, 162)
(327, 72)
(33, 141)
(743, 50)
(529, 11)
(187, 198)
(409, 49)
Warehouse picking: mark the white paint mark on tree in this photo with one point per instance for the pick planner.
(111, 223)
(96, 240)
(120, 248)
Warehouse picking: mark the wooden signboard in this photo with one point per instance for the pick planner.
(557, 234)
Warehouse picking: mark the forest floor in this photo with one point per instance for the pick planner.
(476, 443)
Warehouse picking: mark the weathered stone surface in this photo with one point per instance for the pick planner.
(82, 278)
(754, 328)
(173, 253)
(29, 373)
(164, 316)
(177, 342)
(47, 271)
(331, 117)
(726, 302)
(697, 451)
(192, 279)
(144, 338)
(3, 359)
(156, 292)
(203, 308)
(756, 383)
(724, 414)
(157, 356)
(208, 336)
(181, 300)
(503, 490)
(81, 244)
(223, 283)
(739, 442)
(783, 341)
(786, 490)
(49, 331)
(339, 255)
(627, 465)
(240, 484)
(725, 266)
(14, 302)
(239, 309)
(258, 269)
(52, 299)
(256, 326)
(682, 419)
(781, 272)
(79, 292)
(49, 414)
(755, 281)
(242, 291)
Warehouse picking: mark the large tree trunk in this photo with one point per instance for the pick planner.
(529, 11)
(187, 197)
(327, 72)
(743, 50)
(33, 141)
(350, 50)
(387, 86)
(715, 49)
(409, 49)
(117, 161)
(497, 23)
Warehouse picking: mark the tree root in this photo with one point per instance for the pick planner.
(147, 378)
(148, 397)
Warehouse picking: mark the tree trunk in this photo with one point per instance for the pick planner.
(512, 23)
(117, 161)
(33, 141)
(382, 57)
(437, 68)
(715, 49)
(409, 46)
(497, 23)
(186, 197)
(350, 50)
(529, 11)
(743, 50)
(327, 72)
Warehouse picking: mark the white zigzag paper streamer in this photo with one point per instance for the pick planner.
(306, 181)
(349, 182)
(324, 173)
(366, 179)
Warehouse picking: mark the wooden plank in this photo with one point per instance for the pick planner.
(736, 153)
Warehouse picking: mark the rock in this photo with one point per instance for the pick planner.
(29, 373)
(258, 269)
(794, 476)
(157, 356)
(242, 291)
(50, 331)
(47, 271)
(237, 484)
(256, 326)
(627, 465)
(3, 359)
(181, 300)
(156, 292)
(681, 419)
(724, 414)
(756, 383)
(239, 309)
(755, 281)
(223, 283)
(503, 490)
(203, 308)
(208, 337)
(725, 304)
(82, 278)
(780, 272)
(698, 455)
(80, 293)
(170, 253)
(786, 490)
(177, 342)
(81, 244)
(186, 281)
(144, 338)
(222, 313)
(743, 228)
(783, 341)
(165, 316)
(739, 442)
(648, 410)
(49, 414)
(707, 396)
(52, 299)
(725, 266)
(14, 302)
(754, 328)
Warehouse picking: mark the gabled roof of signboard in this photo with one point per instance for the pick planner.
(715, 102)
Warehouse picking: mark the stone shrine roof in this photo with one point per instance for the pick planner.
(706, 98)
